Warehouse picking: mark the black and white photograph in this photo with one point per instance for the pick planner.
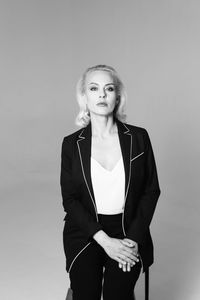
(100, 147)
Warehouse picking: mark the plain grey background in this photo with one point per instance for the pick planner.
(45, 46)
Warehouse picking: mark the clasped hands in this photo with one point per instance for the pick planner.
(126, 266)
(124, 251)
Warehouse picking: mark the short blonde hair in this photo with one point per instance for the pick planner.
(83, 117)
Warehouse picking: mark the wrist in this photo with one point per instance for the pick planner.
(101, 237)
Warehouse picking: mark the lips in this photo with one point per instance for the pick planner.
(102, 104)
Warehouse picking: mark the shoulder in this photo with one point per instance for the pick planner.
(69, 141)
(72, 136)
(135, 129)
(140, 134)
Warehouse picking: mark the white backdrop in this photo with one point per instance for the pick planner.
(45, 46)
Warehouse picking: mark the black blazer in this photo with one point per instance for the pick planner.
(141, 191)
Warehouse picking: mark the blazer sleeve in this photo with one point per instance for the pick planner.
(72, 206)
(147, 203)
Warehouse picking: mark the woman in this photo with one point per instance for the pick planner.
(110, 189)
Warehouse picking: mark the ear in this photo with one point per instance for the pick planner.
(117, 100)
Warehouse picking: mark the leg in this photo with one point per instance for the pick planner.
(86, 274)
(119, 285)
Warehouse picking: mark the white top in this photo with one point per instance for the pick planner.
(109, 187)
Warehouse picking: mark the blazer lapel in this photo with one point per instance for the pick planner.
(84, 148)
(125, 139)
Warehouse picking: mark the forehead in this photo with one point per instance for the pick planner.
(99, 77)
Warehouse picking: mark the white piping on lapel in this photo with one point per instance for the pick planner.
(81, 138)
(137, 156)
(127, 132)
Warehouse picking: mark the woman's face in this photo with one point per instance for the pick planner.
(100, 92)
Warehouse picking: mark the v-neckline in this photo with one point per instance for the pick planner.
(110, 171)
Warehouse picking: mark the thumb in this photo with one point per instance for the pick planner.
(128, 243)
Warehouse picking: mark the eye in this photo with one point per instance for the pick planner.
(110, 89)
(93, 88)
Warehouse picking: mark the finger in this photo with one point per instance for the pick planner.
(120, 260)
(120, 265)
(127, 249)
(126, 259)
(128, 243)
(131, 242)
(130, 256)
(128, 267)
(124, 268)
(134, 255)
(134, 259)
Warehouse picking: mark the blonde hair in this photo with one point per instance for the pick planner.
(83, 117)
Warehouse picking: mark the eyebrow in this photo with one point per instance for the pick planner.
(105, 84)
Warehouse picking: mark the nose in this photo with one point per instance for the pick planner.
(102, 93)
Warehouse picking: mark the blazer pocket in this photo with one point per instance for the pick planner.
(135, 157)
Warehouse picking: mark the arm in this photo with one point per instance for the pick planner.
(148, 200)
(72, 206)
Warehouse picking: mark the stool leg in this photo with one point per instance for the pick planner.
(147, 284)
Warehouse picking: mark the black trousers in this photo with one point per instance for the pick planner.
(94, 272)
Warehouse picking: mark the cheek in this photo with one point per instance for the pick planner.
(112, 99)
(90, 98)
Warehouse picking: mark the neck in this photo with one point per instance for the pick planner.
(103, 126)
